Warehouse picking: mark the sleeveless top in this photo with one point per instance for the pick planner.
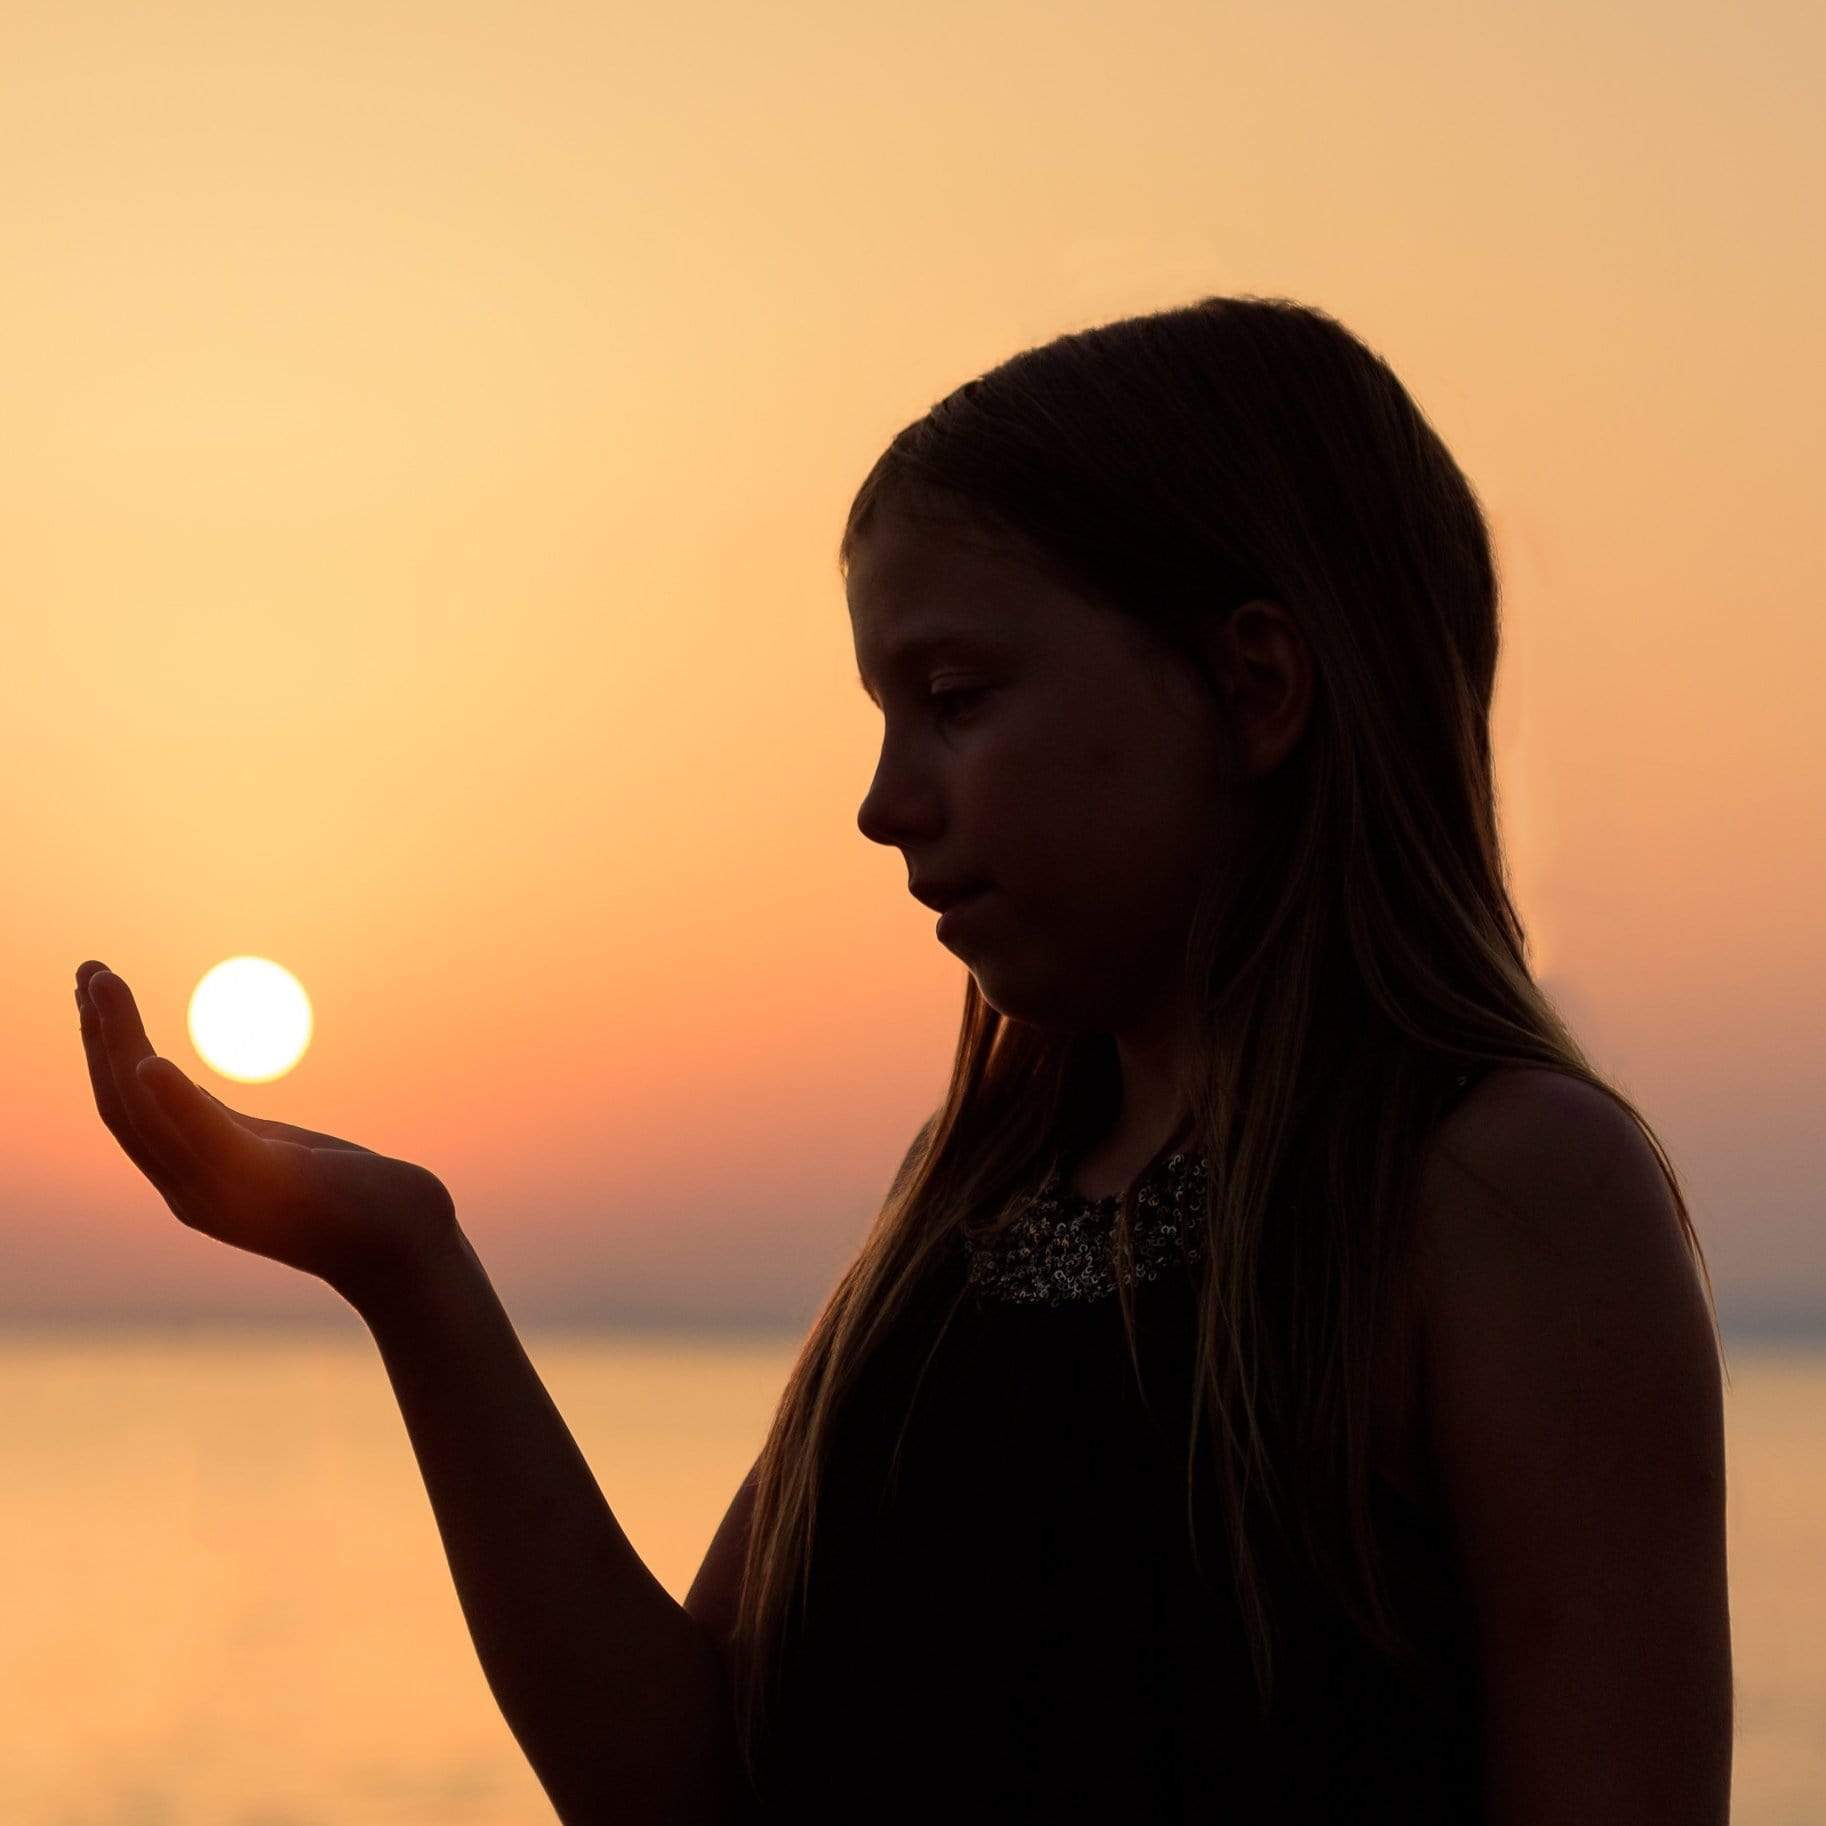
(1014, 1630)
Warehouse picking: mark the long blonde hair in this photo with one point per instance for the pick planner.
(1364, 954)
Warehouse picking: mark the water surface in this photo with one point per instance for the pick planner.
(226, 1601)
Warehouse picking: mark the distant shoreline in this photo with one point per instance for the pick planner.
(1744, 1331)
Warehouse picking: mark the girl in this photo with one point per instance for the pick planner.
(1278, 1384)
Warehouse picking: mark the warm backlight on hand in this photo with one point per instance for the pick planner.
(250, 1019)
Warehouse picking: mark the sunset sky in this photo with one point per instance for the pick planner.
(427, 434)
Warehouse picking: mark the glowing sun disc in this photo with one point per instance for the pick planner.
(250, 1019)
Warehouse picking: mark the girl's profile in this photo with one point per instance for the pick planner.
(1280, 1383)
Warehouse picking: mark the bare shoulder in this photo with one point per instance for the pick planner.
(1519, 1107)
(1545, 1216)
(1573, 1406)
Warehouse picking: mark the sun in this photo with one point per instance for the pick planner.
(250, 1019)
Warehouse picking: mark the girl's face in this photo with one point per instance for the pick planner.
(1049, 748)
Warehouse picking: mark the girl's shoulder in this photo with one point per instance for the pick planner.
(1575, 1427)
(1550, 1248)
(1513, 1127)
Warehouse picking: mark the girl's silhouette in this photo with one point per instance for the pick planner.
(1278, 1385)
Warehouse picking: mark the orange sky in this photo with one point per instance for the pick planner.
(427, 436)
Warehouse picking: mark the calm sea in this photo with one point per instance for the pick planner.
(226, 1603)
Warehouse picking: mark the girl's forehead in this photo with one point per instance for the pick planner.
(903, 569)
(920, 588)
(903, 615)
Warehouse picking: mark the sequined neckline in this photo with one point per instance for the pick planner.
(1060, 1249)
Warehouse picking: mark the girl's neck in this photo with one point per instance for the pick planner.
(1111, 1164)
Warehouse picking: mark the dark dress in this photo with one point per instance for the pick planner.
(1017, 1633)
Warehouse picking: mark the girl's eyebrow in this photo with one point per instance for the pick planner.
(917, 649)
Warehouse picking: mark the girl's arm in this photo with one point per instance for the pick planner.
(613, 1691)
(1577, 1423)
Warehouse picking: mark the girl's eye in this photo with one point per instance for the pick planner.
(966, 695)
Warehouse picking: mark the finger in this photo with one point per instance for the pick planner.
(155, 1162)
(272, 1130)
(101, 1079)
(208, 1129)
(115, 1042)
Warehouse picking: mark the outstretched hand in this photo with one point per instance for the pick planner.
(363, 1222)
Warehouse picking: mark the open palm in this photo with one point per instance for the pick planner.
(361, 1221)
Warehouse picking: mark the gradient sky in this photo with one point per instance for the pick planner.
(428, 430)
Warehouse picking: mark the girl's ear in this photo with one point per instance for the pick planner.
(1264, 669)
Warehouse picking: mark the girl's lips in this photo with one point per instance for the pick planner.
(961, 909)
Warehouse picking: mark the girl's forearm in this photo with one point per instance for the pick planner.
(613, 1692)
